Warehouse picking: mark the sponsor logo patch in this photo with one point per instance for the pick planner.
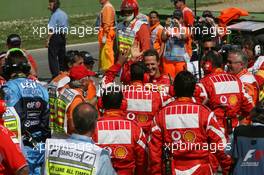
(189, 136)
(120, 152)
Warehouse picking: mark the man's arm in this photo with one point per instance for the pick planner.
(105, 167)
(155, 147)
(140, 150)
(217, 138)
(11, 153)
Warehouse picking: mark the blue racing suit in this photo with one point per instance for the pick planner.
(30, 100)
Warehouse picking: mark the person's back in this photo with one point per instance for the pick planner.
(223, 93)
(122, 137)
(143, 104)
(30, 100)
(226, 96)
(79, 149)
(248, 149)
(68, 99)
(185, 131)
(247, 145)
(9, 149)
(143, 101)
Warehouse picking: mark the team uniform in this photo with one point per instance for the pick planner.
(184, 122)
(250, 84)
(11, 157)
(225, 95)
(142, 104)
(258, 71)
(30, 101)
(125, 141)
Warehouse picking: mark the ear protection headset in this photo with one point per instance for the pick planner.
(11, 67)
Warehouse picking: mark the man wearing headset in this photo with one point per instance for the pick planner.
(30, 100)
(56, 41)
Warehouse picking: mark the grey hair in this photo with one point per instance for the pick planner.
(241, 55)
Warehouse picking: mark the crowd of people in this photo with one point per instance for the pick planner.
(151, 113)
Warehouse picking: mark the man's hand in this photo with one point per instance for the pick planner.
(122, 57)
(135, 51)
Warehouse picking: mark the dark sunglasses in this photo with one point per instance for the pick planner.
(209, 48)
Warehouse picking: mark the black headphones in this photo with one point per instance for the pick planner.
(11, 67)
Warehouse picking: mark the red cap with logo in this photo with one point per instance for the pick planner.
(79, 72)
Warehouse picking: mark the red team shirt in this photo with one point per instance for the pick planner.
(11, 157)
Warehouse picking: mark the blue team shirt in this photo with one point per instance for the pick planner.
(105, 165)
(58, 21)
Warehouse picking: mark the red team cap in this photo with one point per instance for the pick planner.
(79, 72)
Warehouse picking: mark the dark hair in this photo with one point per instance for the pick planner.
(155, 12)
(215, 58)
(177, 14)
(207, 13)
(112, 98)
(249, 41)
(175, 1)
(71, 57)
(151, 52)
(184, 84)
(257, 113)
(13, 41)
(87, 58)
(137, 71)
(56, 2)
(84, 118)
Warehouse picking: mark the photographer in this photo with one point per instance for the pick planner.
(207, 27)
(178, 45)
